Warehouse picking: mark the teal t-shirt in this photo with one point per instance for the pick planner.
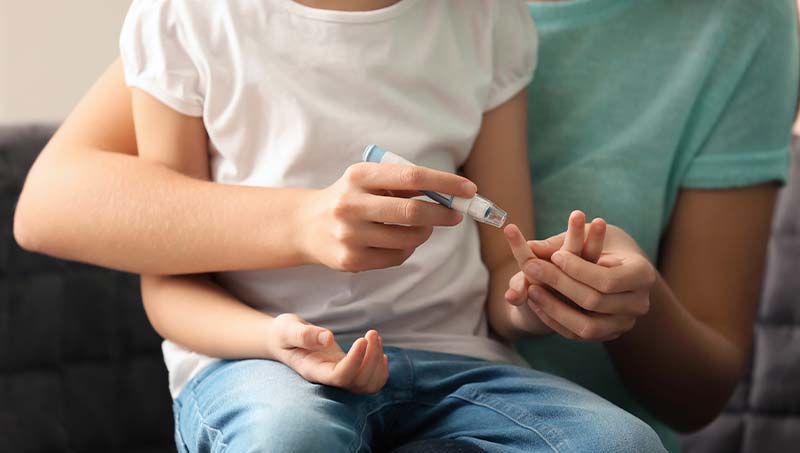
(633, 100)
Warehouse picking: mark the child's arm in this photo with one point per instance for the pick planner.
(498, 164)
(193, 311)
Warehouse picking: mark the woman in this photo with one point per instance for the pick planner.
(671, 119)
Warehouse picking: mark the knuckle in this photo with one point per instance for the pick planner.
(609, 284)
(412, 211)
(411, 177)
(356, 172)
(589, 331)
(344, 233)
(348, 261)
(342, 206)
(592, 301)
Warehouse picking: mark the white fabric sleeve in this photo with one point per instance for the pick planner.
(156, 56)
(514, 51)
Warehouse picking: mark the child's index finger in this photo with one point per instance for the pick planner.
(519, 246)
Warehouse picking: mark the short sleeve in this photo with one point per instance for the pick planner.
(514, 51)
(156, 56)
(751, 138)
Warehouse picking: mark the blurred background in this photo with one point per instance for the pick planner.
(67, 44)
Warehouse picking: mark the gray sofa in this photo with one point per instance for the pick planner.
(81, 370)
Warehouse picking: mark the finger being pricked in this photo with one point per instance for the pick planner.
(519, 247)
(585, 326)
(582, 294)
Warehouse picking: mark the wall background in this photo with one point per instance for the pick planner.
(51, 51)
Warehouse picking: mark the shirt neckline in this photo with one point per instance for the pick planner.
(331, 15)
(575, 13)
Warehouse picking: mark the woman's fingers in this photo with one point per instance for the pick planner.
(576, 231)
(627, 302)
(632, 274)
(593, 246)
(586, 326)
(546, 247)
(381, 177)
(549, 322)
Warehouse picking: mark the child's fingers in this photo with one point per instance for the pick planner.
(593, 246)
(306, 336)
(517, 291)
(381, 375)
(519, 247)
(372, 359)
(576, 226)
(345, 371)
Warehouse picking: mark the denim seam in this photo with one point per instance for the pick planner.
(366, 417)
(508, 416)
(412, 378)
(177, 417)
(196, 402)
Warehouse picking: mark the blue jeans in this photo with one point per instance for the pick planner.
(264, 406)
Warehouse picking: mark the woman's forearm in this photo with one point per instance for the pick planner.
(123, 212)
(89, 198)
(680, 368)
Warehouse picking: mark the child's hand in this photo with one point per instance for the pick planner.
(365, 220)
(312, 352)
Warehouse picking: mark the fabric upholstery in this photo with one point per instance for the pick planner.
(80, 367)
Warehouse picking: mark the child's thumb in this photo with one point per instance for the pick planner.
(308, 337)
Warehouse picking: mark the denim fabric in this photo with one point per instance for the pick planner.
(261, 405)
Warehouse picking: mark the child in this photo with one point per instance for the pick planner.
(285, 94)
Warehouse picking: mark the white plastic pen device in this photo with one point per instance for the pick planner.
(477, 207)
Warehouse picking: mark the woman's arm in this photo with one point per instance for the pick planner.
(89, 198)
(498, 164)
(693, 346)
(685, 356)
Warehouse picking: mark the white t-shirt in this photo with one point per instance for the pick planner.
(290, 96)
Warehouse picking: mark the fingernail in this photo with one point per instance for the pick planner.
(533, 268)
(469, 187)
(535, 294)
(557, 259)
(323, 338)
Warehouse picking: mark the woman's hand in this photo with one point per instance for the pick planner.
(312, 352)
(604, 298)
(366, 220)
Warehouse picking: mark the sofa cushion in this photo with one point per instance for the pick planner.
(80, 367)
